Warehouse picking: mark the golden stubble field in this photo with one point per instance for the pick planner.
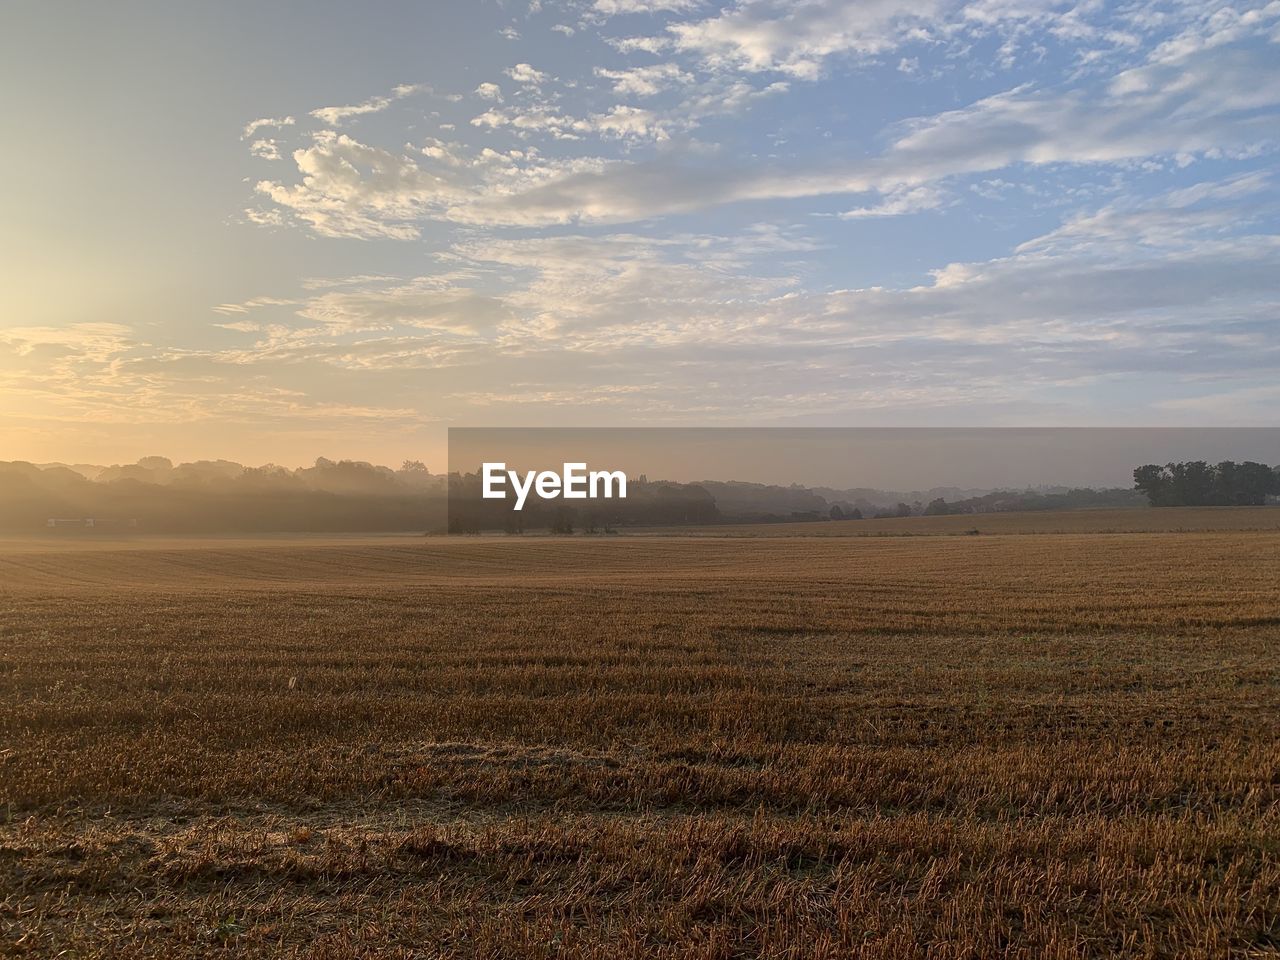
(1056, 745)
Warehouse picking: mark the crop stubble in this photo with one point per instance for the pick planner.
(1033, 745)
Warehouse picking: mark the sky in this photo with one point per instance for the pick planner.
(271, 232)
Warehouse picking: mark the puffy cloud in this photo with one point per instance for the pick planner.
(525, 75)
(265, 149)
(645, 81)
(354, 190)
(625, 122)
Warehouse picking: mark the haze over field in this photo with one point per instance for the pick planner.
(271, 232)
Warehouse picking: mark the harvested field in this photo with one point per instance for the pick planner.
(1163, 520)
(885, 747)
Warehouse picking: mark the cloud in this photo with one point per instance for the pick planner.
(423, 305)
(624, 122)
(533, 294)
(1188, 218)
(349, 189)
(645, 81)
(698, 327)
(620, 122)
(1211, 91)
(539, 119)
(92, 341)
(265, 149)
(253, 126)
(601, 291)
(899, 202)
(796, 38)
(654, 45)
(1216, 99)
(685, 326)
(1212, 101)
(524, 74)
(614, 8)
(333, 116)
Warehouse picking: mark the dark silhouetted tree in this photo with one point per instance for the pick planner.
(1198, 484)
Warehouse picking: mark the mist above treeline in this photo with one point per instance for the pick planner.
(333, 476)
(217, 496)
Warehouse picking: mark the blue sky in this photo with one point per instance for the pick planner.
(275, 231)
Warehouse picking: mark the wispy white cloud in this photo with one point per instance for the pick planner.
(898, 202)
(614, 8)
(253, 126)
(333, 116)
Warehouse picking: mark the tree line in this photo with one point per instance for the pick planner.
(1197, 483)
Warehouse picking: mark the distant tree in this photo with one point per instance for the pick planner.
(562, 522)
(836, 512)
(903, 510)
(1247, 483)
(1154, 481)
(1197, 483)
(1194, 481)
(937, 508)
(856, 515)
